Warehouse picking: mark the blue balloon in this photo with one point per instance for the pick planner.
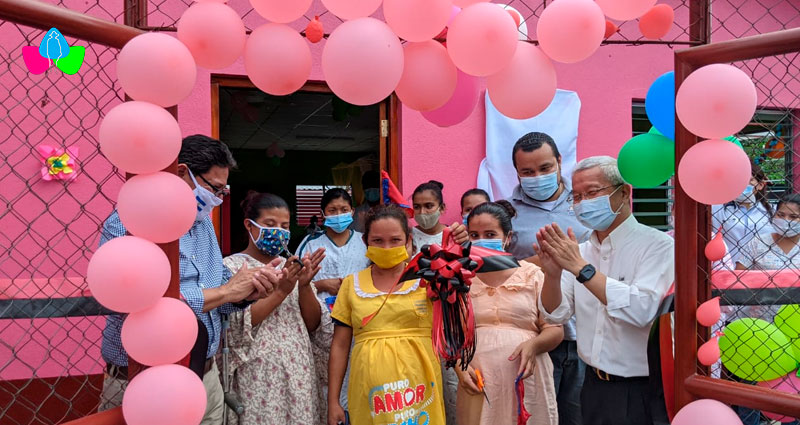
(53, 45)
(660, 104)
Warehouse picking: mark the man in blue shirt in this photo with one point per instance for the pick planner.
(206, 285)
(542, 198)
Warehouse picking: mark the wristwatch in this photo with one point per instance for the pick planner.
(586, 273)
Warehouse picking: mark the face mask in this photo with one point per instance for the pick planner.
(747, 196)
(271, 240)
(465, 218)
(540, 188)
(206, 201)
(495, 244)
(387, 258)
(339, 223)
(785, 227)
(372, 195)
(428, 221)
(596, 213)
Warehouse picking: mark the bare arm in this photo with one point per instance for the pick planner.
(337, 365)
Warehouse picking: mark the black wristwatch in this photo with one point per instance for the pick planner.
(586, 273)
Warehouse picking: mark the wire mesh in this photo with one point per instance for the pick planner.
(50, 329)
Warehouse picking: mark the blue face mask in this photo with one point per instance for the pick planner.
(339, 223)
(271, 240)
(746, 195)
(372, 195)
(465, 219)
(495, 244)
(596, 213)
(540, 188)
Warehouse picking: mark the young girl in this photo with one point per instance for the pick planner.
(428, 208)
(394, 373)
(345, 254)
(512, 339)
(272, 367)
(471, 199)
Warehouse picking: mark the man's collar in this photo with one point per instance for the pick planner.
(618, 235)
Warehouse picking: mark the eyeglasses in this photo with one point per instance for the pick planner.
(576, 198)
(224, 191)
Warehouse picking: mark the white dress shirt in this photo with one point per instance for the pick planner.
(639, 263)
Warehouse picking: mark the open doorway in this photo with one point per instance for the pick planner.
(294, 146)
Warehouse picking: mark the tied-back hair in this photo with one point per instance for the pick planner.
(789, 198)
(334, 194)
(762, 195)
(255, 202)
(381, 212)
(501, 210)
(476, 191)
(435, 187)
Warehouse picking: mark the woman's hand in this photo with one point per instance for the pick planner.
(459, 232)
(335, 414)
(468, 380)
(330, 286)
(548, 264)
(526, 352)
(289, 274)
(310, 267)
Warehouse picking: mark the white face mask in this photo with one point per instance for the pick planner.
(785, 227)
(206, 200)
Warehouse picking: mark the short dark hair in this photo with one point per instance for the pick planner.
(501, 210)
(370, 179)
(476, 191)
(788, 198)
(200, 153)
(333, 194)
(255, 202)
(532, 141)
(381, 212)
(434, 186)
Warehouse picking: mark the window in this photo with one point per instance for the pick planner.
(308, 199)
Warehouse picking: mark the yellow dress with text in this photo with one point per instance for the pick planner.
(395, 377)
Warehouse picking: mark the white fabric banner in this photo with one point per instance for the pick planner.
(497, 175)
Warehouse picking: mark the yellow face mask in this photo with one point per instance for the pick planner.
(386, 258)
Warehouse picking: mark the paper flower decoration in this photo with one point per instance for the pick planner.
(59, 164)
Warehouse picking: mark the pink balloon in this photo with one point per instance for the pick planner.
(465, 3)
(166, 394)
(281, 11)
(787, 384)
(716, 101)
(429, 76)
(156, 68)
(570, 31)
(351, 9)
(277, 59)
(211, 1)
(708, 353)
(128, 274)
(715, 248)
(161, 334)
(460, 105)
(139, 137)
(709, 313)
(362, 61)
(482, 39)
(625, 10)
(454, 10)
(714, 171)
(214, 33)
(159, 207)
(417, 20)
(706, 412)
(514, 93)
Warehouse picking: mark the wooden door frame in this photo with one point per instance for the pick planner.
(388, 131)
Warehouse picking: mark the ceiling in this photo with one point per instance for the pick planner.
(252, 119)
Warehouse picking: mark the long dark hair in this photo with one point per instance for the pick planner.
(501, 210)
(761, 195)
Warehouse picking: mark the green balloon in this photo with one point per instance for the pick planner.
(756, 350)
(788, 321)
(71, 63)
(655, 131)
(734, 140)
(647, 160)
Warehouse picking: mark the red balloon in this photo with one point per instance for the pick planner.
(657, 22)
(714, 172)
(625, 10)
(165, 394)
(362, 61)
(214, 33)
(156, 68)
(140, 137)
(570, 31)
(709, 312)
(417, 20)
(514, 93)
(611, 28)
(148, 341)
(159, 207)
(281, 11)
(482, 39)
(515, 16)
(715, 248)
(429, 76)
(716, 101)
(708, 353)
(128, 274)
(277, 59)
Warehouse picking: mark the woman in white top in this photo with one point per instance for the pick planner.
(777, 248)
(428, 205)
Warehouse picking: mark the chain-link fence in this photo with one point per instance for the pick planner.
(51, 369)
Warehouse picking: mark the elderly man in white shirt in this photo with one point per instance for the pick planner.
(613, 284)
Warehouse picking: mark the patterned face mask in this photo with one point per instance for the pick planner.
(271, 240)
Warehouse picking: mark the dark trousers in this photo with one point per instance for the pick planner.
(625, 402)
(568, 371)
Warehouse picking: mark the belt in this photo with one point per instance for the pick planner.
(393, 333)
(121, 372)
(607, 377)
